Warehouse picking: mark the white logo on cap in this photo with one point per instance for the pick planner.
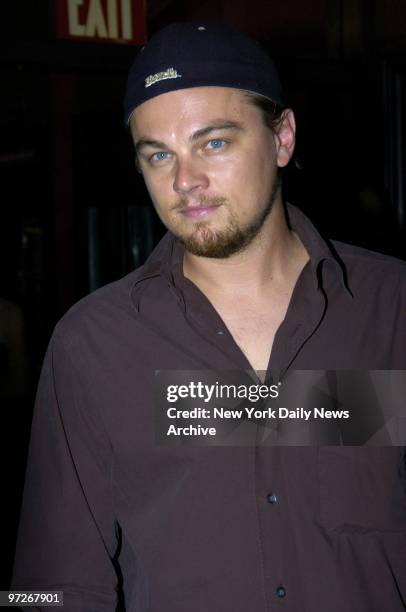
(169, 73)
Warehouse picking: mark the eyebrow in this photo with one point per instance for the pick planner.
(214, 126)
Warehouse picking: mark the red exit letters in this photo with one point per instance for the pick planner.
(120, 21)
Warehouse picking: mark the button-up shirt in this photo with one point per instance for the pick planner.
(112, 518)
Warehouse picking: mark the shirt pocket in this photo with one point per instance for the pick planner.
(362, 489)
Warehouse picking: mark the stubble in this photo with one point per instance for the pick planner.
(204, 241)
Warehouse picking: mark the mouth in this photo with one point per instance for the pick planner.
(200, 211)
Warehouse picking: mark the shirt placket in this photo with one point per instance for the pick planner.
(277, 547)
(281, 581)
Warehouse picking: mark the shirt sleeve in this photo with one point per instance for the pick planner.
(67, 539)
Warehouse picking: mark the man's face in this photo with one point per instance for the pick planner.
(210, 166)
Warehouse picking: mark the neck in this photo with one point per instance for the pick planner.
(275, 257)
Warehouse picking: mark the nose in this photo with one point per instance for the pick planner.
(189, 176)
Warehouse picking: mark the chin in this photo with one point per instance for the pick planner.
(216, 245)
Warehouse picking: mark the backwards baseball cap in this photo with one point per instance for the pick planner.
(186, 55)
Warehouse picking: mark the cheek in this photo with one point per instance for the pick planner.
(159, 191)
(251, 163)
(263, 171)
(231, 174)
(247, 178)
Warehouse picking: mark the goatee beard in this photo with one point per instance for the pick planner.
(205, 242)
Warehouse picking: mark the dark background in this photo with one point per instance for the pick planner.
(74, 213)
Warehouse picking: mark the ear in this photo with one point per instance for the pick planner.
(285, 138)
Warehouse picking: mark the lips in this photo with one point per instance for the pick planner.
(200, 211)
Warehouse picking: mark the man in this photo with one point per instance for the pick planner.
(239, 282)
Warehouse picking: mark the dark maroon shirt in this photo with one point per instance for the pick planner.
(106, 511)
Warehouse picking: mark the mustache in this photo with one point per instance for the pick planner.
(201, 200)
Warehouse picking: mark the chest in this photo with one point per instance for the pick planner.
(253, 326)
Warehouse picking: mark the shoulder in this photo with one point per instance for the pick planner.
(369, 267)
(107, 307)
(110, 316)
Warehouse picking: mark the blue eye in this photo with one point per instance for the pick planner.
(216, 143)
(160, 156)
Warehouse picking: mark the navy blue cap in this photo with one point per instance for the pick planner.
(189, 54)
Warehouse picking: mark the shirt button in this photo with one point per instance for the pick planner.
(271, 498)
(281, 591)
(220, 332)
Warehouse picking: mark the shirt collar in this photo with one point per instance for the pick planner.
(167, 258)
(324, 259)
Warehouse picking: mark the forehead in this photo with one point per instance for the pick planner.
(188, 109)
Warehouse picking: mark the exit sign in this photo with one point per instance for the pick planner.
(117, 21)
